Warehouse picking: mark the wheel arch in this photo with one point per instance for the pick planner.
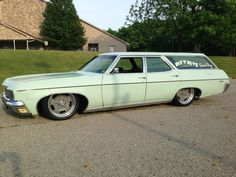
(198, 91)
(83, 102)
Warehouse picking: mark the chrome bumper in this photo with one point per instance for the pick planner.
(226, 87)
(17, 106)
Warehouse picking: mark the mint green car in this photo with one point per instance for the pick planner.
(116, 80)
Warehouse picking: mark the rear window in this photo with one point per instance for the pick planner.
(156, 64)
(191, 62)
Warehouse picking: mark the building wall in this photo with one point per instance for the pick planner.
(7, 34)
(26, 15)
(104, 41)
(1, 2)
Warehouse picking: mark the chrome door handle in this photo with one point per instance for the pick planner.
(176, 75)
(143, 77)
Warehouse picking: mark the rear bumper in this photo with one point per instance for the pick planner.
(18, 107)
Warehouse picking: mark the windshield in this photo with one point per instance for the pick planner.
(99, 64)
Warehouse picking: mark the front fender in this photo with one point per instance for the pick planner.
(31, 98)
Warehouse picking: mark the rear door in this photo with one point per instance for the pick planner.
(162, 80)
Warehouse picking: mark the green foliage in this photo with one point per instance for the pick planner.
(227, 34)
(113, 32)
(181, 25)
(62, 27)
(142, 35)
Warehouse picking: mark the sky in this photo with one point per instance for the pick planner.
(104, 13)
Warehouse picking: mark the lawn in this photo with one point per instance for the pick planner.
(13, 63)
(228, 64)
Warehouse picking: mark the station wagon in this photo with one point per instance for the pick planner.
(116, 80)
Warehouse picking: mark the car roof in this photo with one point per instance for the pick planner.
(153, 53)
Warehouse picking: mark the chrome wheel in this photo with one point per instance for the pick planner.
(185, 96)
(62, 106)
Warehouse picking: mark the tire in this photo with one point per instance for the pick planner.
(60, 107)
(184, 97)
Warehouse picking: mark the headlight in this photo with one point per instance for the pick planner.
(9, 94)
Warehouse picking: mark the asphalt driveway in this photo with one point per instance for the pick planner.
(162, 140)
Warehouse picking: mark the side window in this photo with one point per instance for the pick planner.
(129, 65)
(156, 64)
(190, 62)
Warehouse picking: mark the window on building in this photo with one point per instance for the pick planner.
(112, 48)
(93, 47)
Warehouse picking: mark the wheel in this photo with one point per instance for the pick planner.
(60, 107)
(184, 97)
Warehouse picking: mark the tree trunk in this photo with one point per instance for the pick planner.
(197, 47)
(198, 41)
(179, 45)
(232, 52)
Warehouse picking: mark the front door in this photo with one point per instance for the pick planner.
(126, 84)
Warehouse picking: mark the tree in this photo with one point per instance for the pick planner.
(61, 26)
(227, 35)
(136, 35)
(171, 13)
(113, 32)
(190, 22)
(145, 36)
(207, 18)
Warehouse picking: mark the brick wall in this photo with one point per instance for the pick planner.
(26, 15)
(105, 41)
(6, 34)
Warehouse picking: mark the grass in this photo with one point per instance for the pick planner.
(228, 64)
(13, 63)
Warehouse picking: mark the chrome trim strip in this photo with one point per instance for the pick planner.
(225, 79)
(60, 87)
(127, 106)
(190, 80)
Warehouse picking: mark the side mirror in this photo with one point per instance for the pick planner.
(115, 71)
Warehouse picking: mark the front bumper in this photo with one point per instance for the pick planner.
(18, 107)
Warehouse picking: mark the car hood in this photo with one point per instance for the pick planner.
(52, 80)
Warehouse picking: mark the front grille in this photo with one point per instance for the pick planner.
(9, 94)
